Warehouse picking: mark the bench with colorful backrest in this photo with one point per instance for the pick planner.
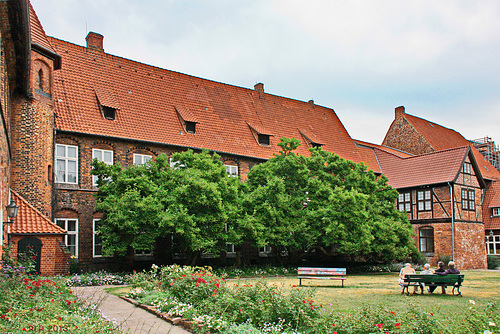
(434, 280)
(321, 273)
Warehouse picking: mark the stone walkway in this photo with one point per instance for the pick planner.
(130, 318)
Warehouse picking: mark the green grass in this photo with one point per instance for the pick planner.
(382, 289)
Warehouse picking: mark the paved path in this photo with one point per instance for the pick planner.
(130, 318)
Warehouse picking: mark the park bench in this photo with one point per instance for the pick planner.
(434, 280)
(321, 273)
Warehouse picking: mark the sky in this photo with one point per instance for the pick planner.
(363, 58)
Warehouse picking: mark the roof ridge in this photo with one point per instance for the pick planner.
(433, 123)
(190, 75)
(438, 152)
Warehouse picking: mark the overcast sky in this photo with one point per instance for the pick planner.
(440, 59)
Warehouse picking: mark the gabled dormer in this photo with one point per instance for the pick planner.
(187, 119)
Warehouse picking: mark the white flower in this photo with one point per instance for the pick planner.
(472, 302)
(491, 324)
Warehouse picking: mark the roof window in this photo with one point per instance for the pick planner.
(108, 112)
(107, 103)
(262, 136)
(264, 139)
(187, 119)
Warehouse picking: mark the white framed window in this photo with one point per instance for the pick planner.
(96, 240)
(105, 156)
(493, 244)
(265, 251)
(70, 239)
(404, 202)
(66, 157)
(424, 200)
(140, 254)
(230, 249)
(467, 168)
(495, 212)
(141, 159)
(231, 170)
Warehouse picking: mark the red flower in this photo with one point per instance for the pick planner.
(392, 312)
(379, 325)
(397, 324)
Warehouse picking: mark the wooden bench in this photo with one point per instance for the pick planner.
(434, 280)
(321, 273)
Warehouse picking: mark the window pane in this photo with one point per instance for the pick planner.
(401, 207)
(407, 197)
(420, 206)
(71, 166)
(408, 207)
(401, 197)
(72, 151)
(427, 205)
(71, 178)
(60, 151)
(428, 194)
(61, 224)
(420, 195)
(97, 154)
(108, 157)
(71, 225)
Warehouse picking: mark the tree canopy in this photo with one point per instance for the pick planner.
(324, 201)
(190, 198)
(290, 202)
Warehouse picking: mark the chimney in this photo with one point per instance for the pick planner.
(399, 112)
(94, 41)
(311, 103)
(259, 88)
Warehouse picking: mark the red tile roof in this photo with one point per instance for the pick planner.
(426, 169)
(491, 200)
(40, 39)
(441, 138)
(150, 98)
(31, 221)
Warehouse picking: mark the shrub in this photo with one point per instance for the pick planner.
(492, 262)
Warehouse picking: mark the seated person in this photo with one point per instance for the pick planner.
(427, 271)
(407, 270)
(440, 269)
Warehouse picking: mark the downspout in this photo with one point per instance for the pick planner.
(452, 222)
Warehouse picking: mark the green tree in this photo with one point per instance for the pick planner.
(192, 201)
(326, 202)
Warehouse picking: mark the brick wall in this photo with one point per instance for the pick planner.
(470, 251)
(53, 258)
(77, 201)
(32, 141)
(403, 136)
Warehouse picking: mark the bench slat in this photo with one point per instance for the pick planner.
(321, 273)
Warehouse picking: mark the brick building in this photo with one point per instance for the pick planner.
(80, 103)
(26, 139)
(476, 204)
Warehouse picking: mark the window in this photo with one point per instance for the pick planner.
(70, 239)
(467, 168)
(424, 200)
(66, 164)
(232, 170)
(102, 155)
(97, 240)
(265, 251)
(142, 254)
(426, 237)
(190, 127)
(141, 159)
(495, 212)
(404, 202)
(230, 249)
(468, 200)
(40, 80)
(263, 139)
(493, 245)
(108, 112)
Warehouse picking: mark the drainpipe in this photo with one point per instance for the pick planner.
(452, 222)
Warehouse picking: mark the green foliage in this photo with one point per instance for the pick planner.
(324, 201)
(493, 261)
(191, 201)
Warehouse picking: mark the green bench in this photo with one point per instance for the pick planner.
(434, 280)
(321, 273)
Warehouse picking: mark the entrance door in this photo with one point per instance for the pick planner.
(32, 247)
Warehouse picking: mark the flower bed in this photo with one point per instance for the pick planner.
(208, 301)
(36, 304)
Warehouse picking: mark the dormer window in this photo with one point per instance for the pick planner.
(310, 139)
(108, 112)
(495, 212)
(190, 127)
(264, 139)
(108, 105)
(262, 136)
(187, 119)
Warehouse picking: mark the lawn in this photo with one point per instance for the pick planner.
(382, 289)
